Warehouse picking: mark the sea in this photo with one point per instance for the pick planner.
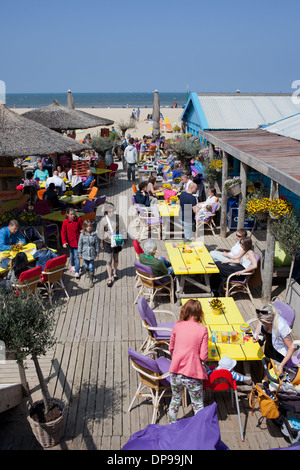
(96, 100)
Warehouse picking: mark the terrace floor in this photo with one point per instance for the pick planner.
(89, 368)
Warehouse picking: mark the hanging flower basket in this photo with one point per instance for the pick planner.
(235, 189)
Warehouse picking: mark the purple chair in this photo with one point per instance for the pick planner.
(158, 333)
(88, 207)
(100, 200)
(236, 283)
(154, 374)
(200, 432)
(148, 221)
(151, 285)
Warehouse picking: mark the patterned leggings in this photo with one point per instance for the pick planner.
(195, 389)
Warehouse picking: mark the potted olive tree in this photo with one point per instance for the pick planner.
(26, 328)
(186, 149)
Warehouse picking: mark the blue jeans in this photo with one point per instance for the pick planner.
(131, 171)
(188, 229)
(89, 265)
(74, 259)
(167, 264)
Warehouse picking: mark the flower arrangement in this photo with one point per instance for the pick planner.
(215, 303)
(216, 164)
(24, 217)
(167, 186)
(276, 207)
(15, 248)
(173, 198)
(232, 182)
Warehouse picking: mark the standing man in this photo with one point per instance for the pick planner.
(188, 208)
(131, 157)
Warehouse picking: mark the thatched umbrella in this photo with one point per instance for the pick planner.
(20, 137)
(156, 116)
(59, 118)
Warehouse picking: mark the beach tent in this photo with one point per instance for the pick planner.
(20, 137)
(156, 116)
(59, 118)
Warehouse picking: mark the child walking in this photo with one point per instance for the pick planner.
(88, 249)
(70, 234)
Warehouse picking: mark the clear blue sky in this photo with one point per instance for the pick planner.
(138, 45)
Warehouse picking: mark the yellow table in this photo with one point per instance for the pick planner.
(29, 249)
(170, 223)
(73, 199)
(57, 216)
(229, 315)
(101, 175)
(198, 261)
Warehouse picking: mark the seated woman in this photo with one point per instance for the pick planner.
(150, 188)
(41, 173)
(236, 251)
(142, 196)
(160, 266)
(241, 266)
(279, 344)
(18, 264)
(61, 173)
(43, 254)
(51, 195)
(212, 197)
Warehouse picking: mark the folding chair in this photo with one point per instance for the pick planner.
(209, 221)
(154, 375)
(221, 380)
(159, 334)
(151, 285)
(113, 167)
(52, 276)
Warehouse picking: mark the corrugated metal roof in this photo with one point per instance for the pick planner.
(288, 127)
(245, 111)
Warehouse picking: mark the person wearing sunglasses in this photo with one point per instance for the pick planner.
(276, 334)
(246, 264)
(236, 251)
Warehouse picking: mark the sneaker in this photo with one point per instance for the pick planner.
(72, 268)
(77, 275)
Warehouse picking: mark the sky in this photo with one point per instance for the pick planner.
(140, 46)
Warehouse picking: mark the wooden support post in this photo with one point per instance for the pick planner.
(267, 277)
(223, 218)
(242, 197)
(211, 151)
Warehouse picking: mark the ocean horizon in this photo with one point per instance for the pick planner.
(96, 100)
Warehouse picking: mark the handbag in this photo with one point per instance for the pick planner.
(116, 239)
(269, 405)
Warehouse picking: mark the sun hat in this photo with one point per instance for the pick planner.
(226, 363)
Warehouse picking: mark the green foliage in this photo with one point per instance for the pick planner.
(102, 144)
(186, 149)
(287, 231)
(26, 324)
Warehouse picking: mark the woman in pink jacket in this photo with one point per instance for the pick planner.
(189, 350)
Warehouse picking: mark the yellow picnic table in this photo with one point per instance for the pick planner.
(230, 319)
(170, 223)
(29, 249)
(186, 264)
(101, 174)
(73, 199)
(57, 216)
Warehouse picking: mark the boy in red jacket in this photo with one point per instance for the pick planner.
(70, 233)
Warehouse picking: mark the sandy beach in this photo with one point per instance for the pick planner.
(123, 114)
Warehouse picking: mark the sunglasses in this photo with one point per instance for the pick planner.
(262, 312)
(240, 236)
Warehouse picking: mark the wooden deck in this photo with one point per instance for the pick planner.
(90, 371)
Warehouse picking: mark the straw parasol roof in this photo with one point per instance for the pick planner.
(156, 116)
(20, 137)
(60, 118)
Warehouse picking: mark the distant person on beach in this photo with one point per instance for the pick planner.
(138, 114)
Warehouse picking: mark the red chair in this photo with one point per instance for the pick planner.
(52, 276)
(113, 167)
(29, 279)
(221, 380)
(138, 249)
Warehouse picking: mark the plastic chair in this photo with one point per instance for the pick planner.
(113, 167)
(89, 207)
(221, 380)
(40, 193)
(29, 279)
(88, 190)
(234, 284)
(154, 375)
(100, 200)
(158, 333)
(92, 194)
(134, 188)
(137, 247)
(52, 276)
(151, 285)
